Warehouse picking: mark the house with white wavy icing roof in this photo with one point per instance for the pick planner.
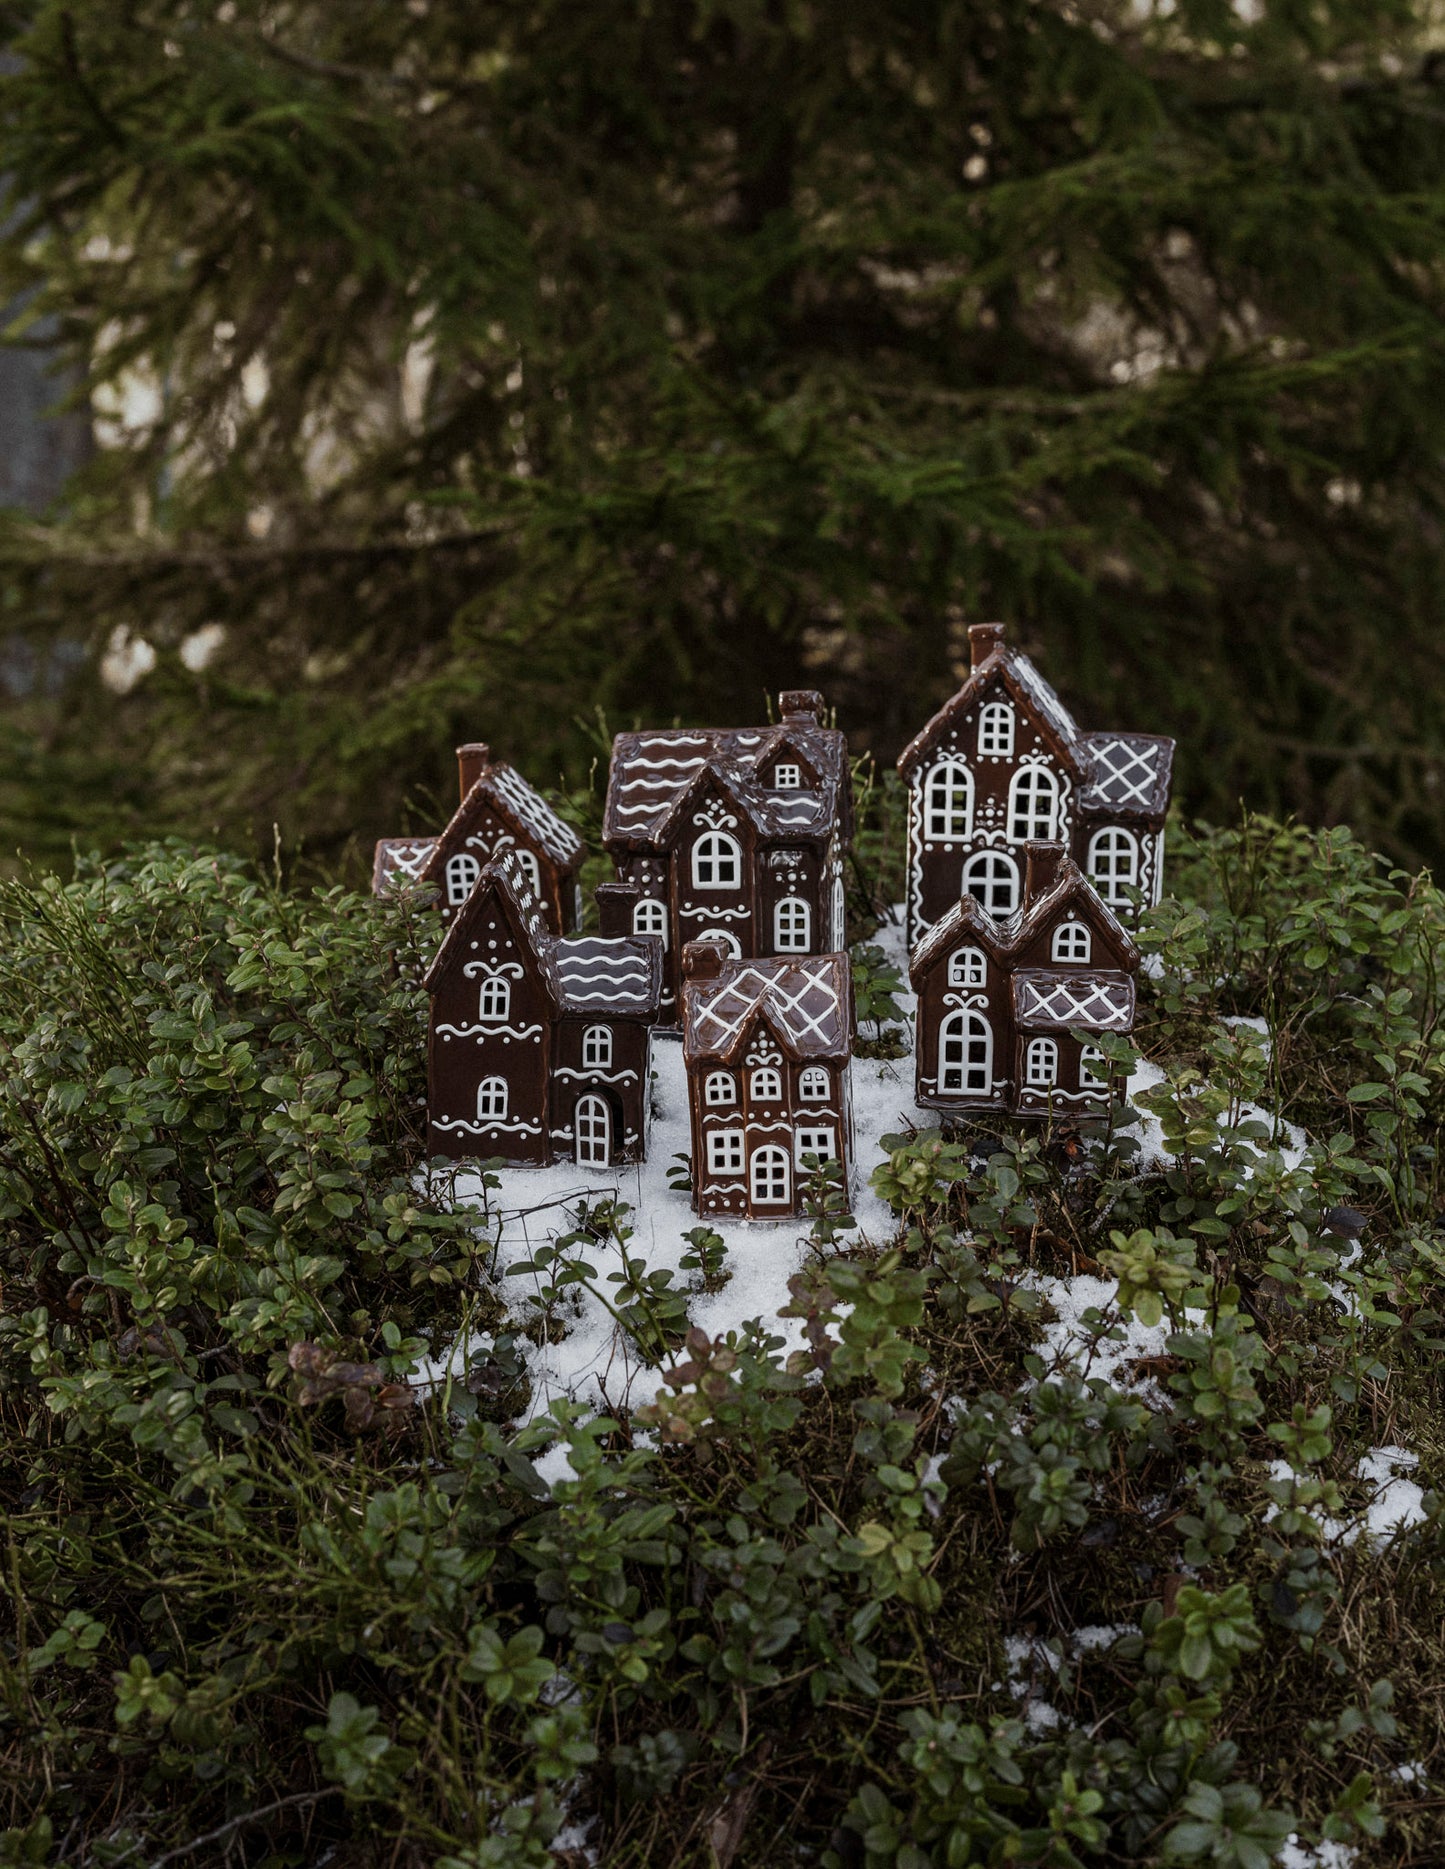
(737, 834)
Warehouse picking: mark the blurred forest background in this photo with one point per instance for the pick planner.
(442, 369)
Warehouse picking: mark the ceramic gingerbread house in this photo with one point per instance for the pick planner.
(1003, 764)
(766, 1044)
(739, 834)
(539, 1047)
(1000, 999)
(498, 812)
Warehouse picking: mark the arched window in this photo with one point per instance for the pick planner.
(1072, 941)
(765, 1086)
(996, 728)
(1114, 863)
(720, 1088)
(593, 1130)
(948, 804)
(597, 1047)
(967, 967)
(813, 1086)
(1033, 802)
(462, 873)
(1041, 1064)
(717, 861)
(792, 926)
(531, 869)
(992, 879)
(726, 941)
(496, 1000)
(787, 778)
(965, 1054)
(649, 917)
(492, 1099)
(1093, 1068)
(771, 1179)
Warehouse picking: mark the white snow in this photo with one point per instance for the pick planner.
(1296, 1855)
(1395, 1505)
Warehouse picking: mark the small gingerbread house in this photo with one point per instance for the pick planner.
(1003, 764)
(737, 834)
(999, 1000)
(766, 1044)
(498, 812)
(539, 1048)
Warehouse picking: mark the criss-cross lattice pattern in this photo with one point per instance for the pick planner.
(1129, 771)
(806, 1001)
(1101, 1002)
(400, 860)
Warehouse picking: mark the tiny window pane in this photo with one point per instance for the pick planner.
(1041, 1064)
(765, 1086)
(725, 1151)
(996, 729)
(495, 1002)
(948, 802)
(720, 1088)
(771, 1177)
(793, 926)
(992, 879)
(597, 1047)
(813, 1086)
(967, 967)
(462, 873)
(1073, 942)
(787, 778)
(492, 1097)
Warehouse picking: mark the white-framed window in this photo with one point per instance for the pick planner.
(813, 1085)
(992, 879)
(1072, 941)
(1033, 805)
(965, 1054)
(1114, 863)
(839, 911)
(597, 1047)
(819, 1142)
(787, 778)
(772, 1180)
(1093, 1068)
(531, 869)
(492, 1099)
(967, 966)
(717, 861)
(1041, 1064)
(649, 917)
(727, 941)
(721, 1087)
(766, 1085)
(593, 1132)
(724, 1151)
(996, 728)
(793, 926)
(948, 801)
(461, 873)
(494, 1004)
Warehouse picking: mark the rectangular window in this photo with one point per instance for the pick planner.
(817, 1142)
(788, 779)
(725, 1152)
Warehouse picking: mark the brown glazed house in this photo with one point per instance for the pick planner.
(498, 812)
(539, 1048)
(737, 833)
(1003, 764)
(766, 1044)
(998, 1000)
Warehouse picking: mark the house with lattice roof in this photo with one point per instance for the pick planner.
(1003, 763)
(1002, 1000)
(539, 1048)
(498, 812)
(766, 1044)
(738, 834)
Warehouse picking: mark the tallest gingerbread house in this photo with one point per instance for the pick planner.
(1002, 765)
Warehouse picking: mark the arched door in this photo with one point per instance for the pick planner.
(593, 1131)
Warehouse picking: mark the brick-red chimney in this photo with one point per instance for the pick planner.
(472, 761)
(1041, 869)
(615, 903)
(702, 960)
(805, 705)
(983, 640)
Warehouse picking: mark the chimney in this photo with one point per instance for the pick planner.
(472, 761)
(984, 640)
(615, 903)
(702, 960)
(1042, 863)
(803, 705)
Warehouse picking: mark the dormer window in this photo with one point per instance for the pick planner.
(1073, 942)
(787, 778)
(649, 917)
(967, 967)
(996, 729)
(462, 873)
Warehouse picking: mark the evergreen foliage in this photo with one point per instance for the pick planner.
(488, 366)
(265, 1595)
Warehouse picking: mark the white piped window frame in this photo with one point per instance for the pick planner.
(649, 917)
(770, 1176)
(724, 1151)
(1113, 864)
(996, 730)
(992, 878)
(597, 1047)
(765, 1085)
(787, 777)
(461, 873)
(948, 802)
(531, 869)
(719, 1090)
(1033, 805)
(815, 1140)
(494, 1000)
(1073, 943)
(1041, 1064)
(717, 861)
(814, 1085)
(592, 1132)
(968, 966)
(793, 925)
(493, 1097)
(965, 1055)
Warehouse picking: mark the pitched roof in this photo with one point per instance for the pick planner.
(1018, 674)
(502, 788)
(1129, 774)
(805, 998)
(505, 877)
(653, 774)
(399, 861)
(1049, 1000)
(1003, 939)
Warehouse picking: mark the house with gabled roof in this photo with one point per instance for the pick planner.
(498, 812)
(1003, 763)
(766, 1044)
(539, 1048)
(738, 834)
(1002, 999)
